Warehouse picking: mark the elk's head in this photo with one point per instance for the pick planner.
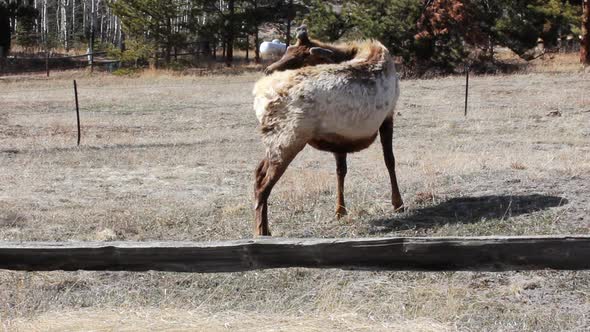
(304, 53)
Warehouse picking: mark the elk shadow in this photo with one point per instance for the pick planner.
(468, 210)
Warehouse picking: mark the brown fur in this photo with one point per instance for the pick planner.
(339, 144)
(273, 118)
(372, 63)
(298, 55)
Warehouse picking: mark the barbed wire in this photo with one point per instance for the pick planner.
(50, 58)
(87, 88)
(88, 110)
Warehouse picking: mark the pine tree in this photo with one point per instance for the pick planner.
(393, 22)
(151, 21)
(9, 13)
(25, 32)
(328, 20)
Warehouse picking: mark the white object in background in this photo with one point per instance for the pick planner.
(273, 49)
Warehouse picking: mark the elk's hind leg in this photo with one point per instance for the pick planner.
(268, 173)
(341, 172)
(386, 135)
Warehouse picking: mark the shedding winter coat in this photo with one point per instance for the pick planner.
(328, 104)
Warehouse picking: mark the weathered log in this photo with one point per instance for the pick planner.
(416, 254)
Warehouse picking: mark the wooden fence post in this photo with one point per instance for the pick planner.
(77, 111)
(466, 87)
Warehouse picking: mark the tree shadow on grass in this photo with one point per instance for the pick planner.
(468, 210)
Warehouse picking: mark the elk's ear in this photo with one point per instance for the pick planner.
(323, 53)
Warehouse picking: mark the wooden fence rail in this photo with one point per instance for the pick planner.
(419, 254)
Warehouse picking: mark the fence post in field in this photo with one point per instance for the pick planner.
(466, 87)
(77, 111)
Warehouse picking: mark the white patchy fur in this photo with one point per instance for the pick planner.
(322, 101)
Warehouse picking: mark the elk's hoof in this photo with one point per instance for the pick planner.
(341, 212)
(262, 232)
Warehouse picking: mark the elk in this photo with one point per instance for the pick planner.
(335, 98)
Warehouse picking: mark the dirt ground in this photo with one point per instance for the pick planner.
(172, 158)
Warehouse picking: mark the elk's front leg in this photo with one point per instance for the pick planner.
(386, 134)
(341, 172)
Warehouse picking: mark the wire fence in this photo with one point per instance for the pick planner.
(88, 110)
(76, 90)
(46, 62)
(134, 87)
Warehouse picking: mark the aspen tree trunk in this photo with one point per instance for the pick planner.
(37, 27)
(112, 31)
(92, 28)
(92, 15)
(84, 15)
(64, 22)
(73, 33)
(115, 31)
(45, 28)
(101, 28)
(57, 19)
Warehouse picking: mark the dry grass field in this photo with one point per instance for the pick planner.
(172, 158)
